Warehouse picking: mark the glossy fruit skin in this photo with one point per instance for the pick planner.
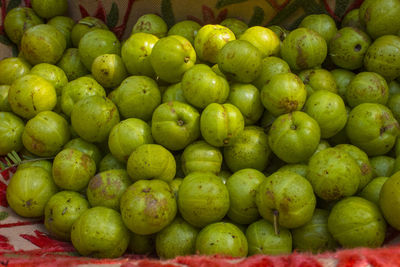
(348, 47)
(237, 26)
(202, 199)
(18, 20)
(126, 136)
(294, 137)
(43, 43)
(383, 57)
(84, 26)
(250, 150)
(185, 28)
(210, 39)
(137, 97)
(242, 187)
(72, 65)
(240, 61)
(201, 86)
(49, 8)
(270, 66)
(288, 194)
(334, 174)
(135, 53)
(379, 128)
(109, 162)
(4, 104)
(246, 97)
(13, 68)
(329, 110)
(106, 188)
(357, 222)
(382, 166)
(342, 79)
(380, 17)
(283, 94)
(314, 236)
(152, 24)
(177, 239)
(151, 161)
(389, 199)
(53, 74)
(318, 79)
(101, 233)
(265, 40)
(45, 134)
(322, 24)
(367, 87)
(86, 147)
(148, 206)
(109, 70)
(29, 190)
(96, 43)
(304, 49)
(171, 57)
(373, 189)
(270, 243)
(201, 157)
(93, 118)
(30, 95)
(11, 129)
(173, 92)
(61, 211)
(223, 239)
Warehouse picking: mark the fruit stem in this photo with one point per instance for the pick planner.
(276, 224)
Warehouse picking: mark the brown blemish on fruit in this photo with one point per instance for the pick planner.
(365, 169)
(95, 182)
(288, 105)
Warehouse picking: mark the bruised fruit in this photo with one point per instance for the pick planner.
(152, 24)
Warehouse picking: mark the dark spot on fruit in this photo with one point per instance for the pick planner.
(95, 182)
(293, 127)
(357, 48)
(29, 203)
(146, 190)
(180, 122)
(64, 211)
(186, 59)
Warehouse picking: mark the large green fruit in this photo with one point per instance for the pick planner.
(177, 239)
(64, 25)
(373, 189)
(286, 198)
(128, 135)
(151, 24)
(171, 57)
(389, 200)
(328, 110)
(382, 166)
(283, 94)
(151, 161)
(380, 17)
(49, 8)
(202, 198)
(135, 53)
(83, 26)
(318, 79)
(372, 128)
(270, 66)
(100, 232)
(43, 43)
(18, 20)
(106, 188)
(187, 29)
(240, 61)
(242, 187)
(357, 222)
(264, 39)
(45, 134)
(367, 87)
(210, 39)
(137, 97)
(222, 238)
(109, 70)
(304, 49)
(95, 43)
(86, 147)
(314, 236)
(322, 24)
(61, 211)
(221, 124)
(30, 95)
(148, 206)
(13, 68)
(11, 129)
(174, 92)
(53, 74)
(334, 174)
(300, 169)
(262, 239)
(175, 125)
(201, 86)
(342, 79)
(348, 47)
(72, 65)
(250, 150)
(201, 157)
(93, 118)
(294, 137)
(383, 57)
(29, 190)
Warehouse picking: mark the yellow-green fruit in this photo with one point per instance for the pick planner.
(237, 26)
(322, 24)
(373, 189)
(29, 190)
(30, 95)
(4, 104)
(84, 26)
(151, 161)
(186, 28)
(11, 129)
(88, 148)
(13, 68)
(109, 162)
(64, 25)
(318, 79)
(109, 70)
(45, 134)
(264, 39)
(201, 157)
(152, 24)
(389, 200)
(53, 74)
(72, 65)
(49, 8)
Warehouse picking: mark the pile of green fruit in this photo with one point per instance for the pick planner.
(215, 139)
